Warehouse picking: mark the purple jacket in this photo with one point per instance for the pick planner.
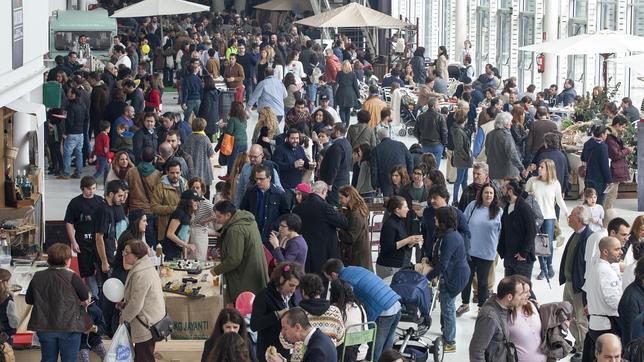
(617, 154)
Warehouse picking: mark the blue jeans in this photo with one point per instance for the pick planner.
(248, 88)
(548, 227)
(73, 144)
(461, 180)
(448, 315)
(345, 115)
(437, 151)
(385, 334)
(237, 149)
(103, 168)
(192, 106)
(52, 344)
(313, 94)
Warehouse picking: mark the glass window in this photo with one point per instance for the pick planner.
(482, 36)
(607, 15)
(635, 87)
(528, 6)
(579, 8)
(503, 39)
(576, 63)
(98, 40)
(444, 21)
(526, 59)
(637, 23)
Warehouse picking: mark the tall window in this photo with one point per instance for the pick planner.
(526, 37)
(482, 34)
(444, 16)
(503, 38)
(578, 25)
(634, 87)
(607, 14)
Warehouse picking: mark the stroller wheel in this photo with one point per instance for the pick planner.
(402, 132)
(438, 351)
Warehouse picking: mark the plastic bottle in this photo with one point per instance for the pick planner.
(5, 249)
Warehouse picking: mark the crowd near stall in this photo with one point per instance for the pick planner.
(326, 231)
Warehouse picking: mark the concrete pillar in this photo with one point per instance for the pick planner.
(550, 23)
(461, 28)
(640, 166)
(22, 124)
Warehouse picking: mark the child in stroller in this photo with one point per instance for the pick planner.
(407, 115)
(417, 302)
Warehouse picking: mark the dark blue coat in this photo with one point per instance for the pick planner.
(595, 154)
(631, 308)
(451, 263)
(142, 139)
(387, 154)
(320, 348)
(285, 157)
(336, 164)
(428, 229)
(275, 205)
(578, 262)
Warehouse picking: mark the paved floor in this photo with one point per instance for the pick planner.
(59, 192)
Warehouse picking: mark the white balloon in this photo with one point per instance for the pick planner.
(113, 290)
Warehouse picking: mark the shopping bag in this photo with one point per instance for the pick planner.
(121, 349)
(227, 145)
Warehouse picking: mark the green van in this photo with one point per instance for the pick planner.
(65, 26)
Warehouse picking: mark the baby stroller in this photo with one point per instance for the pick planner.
(407, 115)
(417, 301)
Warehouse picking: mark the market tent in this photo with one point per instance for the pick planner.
(158, 8)
(286, 5)
(353, 15)
(605, 43)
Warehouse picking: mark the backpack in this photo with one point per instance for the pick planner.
(538, 215)
(463, 77)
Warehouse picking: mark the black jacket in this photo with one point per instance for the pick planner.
(630, 307)
(518, 230)
(77, 117)
(394, 229)
(387, 154)
(579, 262)
(275, 204)
(348, 90)
(265, 322)
(431, 129)
(320, 349)
(142, 139)
(337, 164)
(209, 110)
(321, 236)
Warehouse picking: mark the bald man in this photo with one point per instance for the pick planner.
(603, 291)
(256, 157)
(608, 348)
(166, 154)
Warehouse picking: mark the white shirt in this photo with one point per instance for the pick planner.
(629, 270)
(546, 195)
(297, 69)
(603, 291)
(597, 215)
(591, 254)
(125, 60)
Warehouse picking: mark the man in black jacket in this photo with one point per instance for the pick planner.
(631, 305)
(431, 131)
(571, 273)
(321, 233)
(265, 201)
(518, 229)
(146, 136)
(387, 154)
(77, 117)
(337, 163)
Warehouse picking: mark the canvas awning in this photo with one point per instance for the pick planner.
(353, 15)
(159, 8)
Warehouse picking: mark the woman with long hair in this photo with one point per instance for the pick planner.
(137, 223)
(524, 326)
(408, 75)
(177, 235)
(291, 89)
(395, 244)
(418, 66)
(363, 185)
(321, 119)
(358, 70)
(271, 303)
(546, 190)
(239, 163)
(231, 347)
(266, 129)
(152, 94)
(441, 62)
(120, 167)
(295, 67)
(228, 321)
(399, 179)
(209, 108)
(347, 92)
(484, 220)
(355, 246)
(449, 263)
(202, 219)
(279, 63)
(518, 129)
(262, 64)
(341, 296)
(237, 128)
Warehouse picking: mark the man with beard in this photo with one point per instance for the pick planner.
(166, 195)
(298, 117)
(174, 139)
(518, 229)
(80, 219)
(248, 62)
(337, 163)
(479, 178)
(439, 197)
(291, 160)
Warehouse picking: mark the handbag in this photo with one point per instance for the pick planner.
(160, 330)
(227, 144)
(583, 169)
(542, 245)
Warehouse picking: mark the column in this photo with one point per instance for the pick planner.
(22, 124)
(461, 28)
(550, 21)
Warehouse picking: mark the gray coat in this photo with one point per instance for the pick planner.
(360, 133)
(502, 156)
(199, 147)
(462, 153)
(490, 331)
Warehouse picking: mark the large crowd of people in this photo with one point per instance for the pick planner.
(292, 211)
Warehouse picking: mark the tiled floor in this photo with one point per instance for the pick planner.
(59, 192)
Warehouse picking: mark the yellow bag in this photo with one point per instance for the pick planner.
(227, 145)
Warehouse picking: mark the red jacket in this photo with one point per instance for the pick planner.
(617, 154)
(332, 68)
(153, 99)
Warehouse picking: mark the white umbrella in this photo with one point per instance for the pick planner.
(604, 43)
(158, 8)
(353, 15)
(285, 5)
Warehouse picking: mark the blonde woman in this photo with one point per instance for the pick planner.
(347, 92)
(546, 190)
(266, 129)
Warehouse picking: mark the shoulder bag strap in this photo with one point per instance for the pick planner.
(145, 186)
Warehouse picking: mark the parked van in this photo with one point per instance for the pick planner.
(65, 26)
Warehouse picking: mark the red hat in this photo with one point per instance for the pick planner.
(303, 187)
